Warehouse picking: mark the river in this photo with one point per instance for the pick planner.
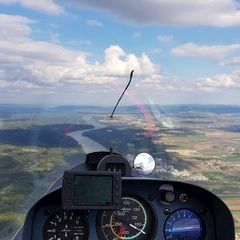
(88, 144)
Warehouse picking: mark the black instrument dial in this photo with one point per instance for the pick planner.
(65, 225)
(133, 221)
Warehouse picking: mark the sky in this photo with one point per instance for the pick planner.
(82, 51)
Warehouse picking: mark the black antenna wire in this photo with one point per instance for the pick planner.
(130, 80)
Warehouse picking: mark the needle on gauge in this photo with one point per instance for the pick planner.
(140, 230)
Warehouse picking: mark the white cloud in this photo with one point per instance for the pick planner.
(94, 22)
(44, 6)
(216, 83)
(14, 26)
(159, 82)
(117, 64)
(137, 35)
(156, 50)
(55, 37)
(220, 82)
(78, 42)
(165, 38)
(212, 52)
(219, 13)
(32, 64)
(233, 62)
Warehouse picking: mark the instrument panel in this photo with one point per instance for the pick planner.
(146, 213)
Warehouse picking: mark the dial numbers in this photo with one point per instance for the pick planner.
(65, 225)
(132, 221)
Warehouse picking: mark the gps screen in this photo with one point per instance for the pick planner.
(92, 190)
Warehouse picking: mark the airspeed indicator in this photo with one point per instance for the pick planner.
(132, 221)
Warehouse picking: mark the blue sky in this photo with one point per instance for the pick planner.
(81, 52)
